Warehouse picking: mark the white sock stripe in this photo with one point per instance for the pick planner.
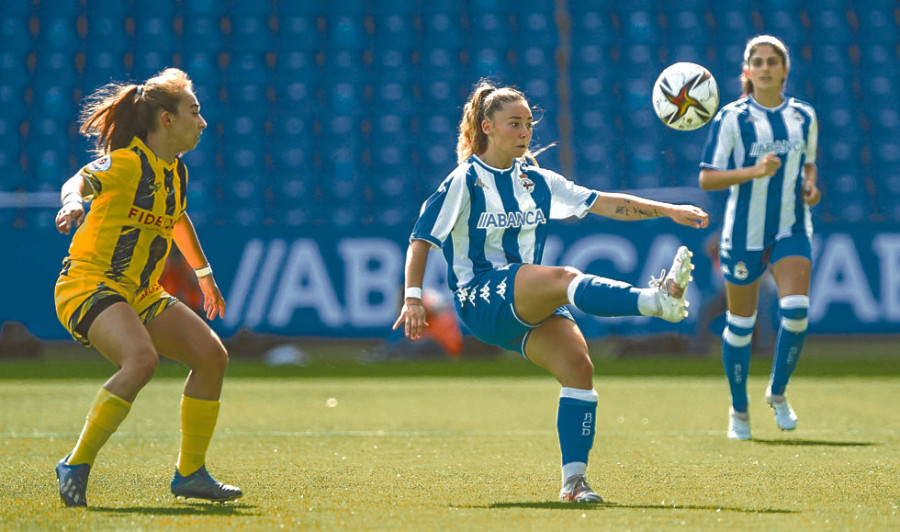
(794, 302)
(736, 340)
(795, 326)
(589, 396)
(745, 322)
(573, 285)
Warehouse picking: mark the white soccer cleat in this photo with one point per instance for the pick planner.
(576, 489)
(671, 288)
(785, 417)
(738, 426)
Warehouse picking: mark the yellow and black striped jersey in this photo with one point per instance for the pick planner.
(127, 234)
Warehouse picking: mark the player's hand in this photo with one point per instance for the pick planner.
(767, 165)
(811, 194)
(412, 315)
(69, 217)
(689, 215)
(213, 302)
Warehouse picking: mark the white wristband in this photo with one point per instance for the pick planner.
(414, 292)
(205, 271)
(72, 196)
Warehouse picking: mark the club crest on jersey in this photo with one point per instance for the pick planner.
(527, 184)
(740, 271)
(100, 165)
(511, 219)
(479, 182)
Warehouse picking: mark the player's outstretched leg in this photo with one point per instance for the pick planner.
(201, 485)
(671, 288)
(72, 482)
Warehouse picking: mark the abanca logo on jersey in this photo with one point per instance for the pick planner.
(511, 219)
(781, 147)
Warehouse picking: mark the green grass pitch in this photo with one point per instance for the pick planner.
(462, 453)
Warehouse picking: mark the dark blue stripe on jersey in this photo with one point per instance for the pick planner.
(776, 182)
(452, 279)
(143, 196)
(123, 252)
(159, 248)
(169, 183)
(506, 183)
(541, 197)
(477, 236)
(182, 182)
(709, 150)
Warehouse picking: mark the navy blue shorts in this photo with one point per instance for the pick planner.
(742, 267)
(487, 308)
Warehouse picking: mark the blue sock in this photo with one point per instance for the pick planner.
(575, 424)
(789, 342)
(604, 297)
(736, 356)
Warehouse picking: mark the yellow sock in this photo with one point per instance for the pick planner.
(105, 416)
(198, 421)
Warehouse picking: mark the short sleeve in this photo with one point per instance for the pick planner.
(812, 142)
(566, 198)
(441, 211)
(720, 142)
(107, 171)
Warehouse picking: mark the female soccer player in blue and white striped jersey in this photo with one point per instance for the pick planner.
(489, 217)
(762, 147)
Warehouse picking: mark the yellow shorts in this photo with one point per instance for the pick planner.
(82, 296)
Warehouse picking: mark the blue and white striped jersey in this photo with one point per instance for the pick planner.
(484, 218)
(762, 211)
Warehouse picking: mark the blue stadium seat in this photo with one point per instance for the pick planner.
(641, 27)
(393, 65)
(786, 25)
(13, 69)
(687, 28)
(56, 67)
(162, 9)
(489, 62)
(444, 30)
(205, 8)
(490, 30)
(394, 98)
(155, 34)
(251, 34)
(733, 25)
(878, 25)
(300, 96)
(346, 32)
(395, 30)
(296, 65)
(149, 63)
(346, 65)
(830, 27)
(57, 34)
(203, 34)
(105, 33)
(537, 28)
(245, 67)
(15, 35)
(54, 101)
(101, 68)
(536, 62)
(592, 27)
(441, 64)
(299, 32)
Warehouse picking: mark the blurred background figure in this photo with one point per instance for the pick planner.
(441, 339)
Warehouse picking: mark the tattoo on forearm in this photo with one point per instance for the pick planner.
(629, 210)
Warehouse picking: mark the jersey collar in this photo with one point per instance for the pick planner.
(137, 142)
(490, 168)
(758, 105)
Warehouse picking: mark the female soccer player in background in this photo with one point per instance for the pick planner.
(762, 147)
(108, 295)
(489, 216)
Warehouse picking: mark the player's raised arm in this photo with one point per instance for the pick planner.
(627, 207)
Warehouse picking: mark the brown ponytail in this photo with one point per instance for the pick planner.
(118, 112)
(484, 101)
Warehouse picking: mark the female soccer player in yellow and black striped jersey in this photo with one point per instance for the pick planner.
(108, 294)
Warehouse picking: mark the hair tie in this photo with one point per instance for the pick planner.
(138, 93)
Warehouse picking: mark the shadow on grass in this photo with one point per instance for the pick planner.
(822, 443)
(559, 505)
(243, 510)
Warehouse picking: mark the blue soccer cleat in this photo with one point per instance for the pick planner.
(72, 482)
(201, 485)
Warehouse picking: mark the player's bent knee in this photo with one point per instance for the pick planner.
(142, 363)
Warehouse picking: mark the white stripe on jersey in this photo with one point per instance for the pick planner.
(756, 218)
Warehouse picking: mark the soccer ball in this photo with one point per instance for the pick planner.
(685, 96)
